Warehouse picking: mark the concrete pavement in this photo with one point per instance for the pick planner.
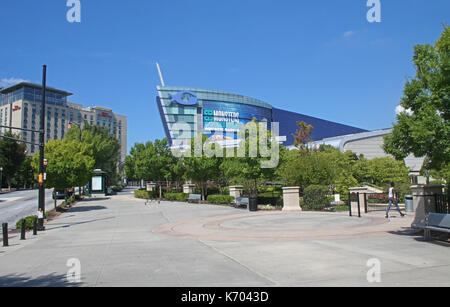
(121, 242)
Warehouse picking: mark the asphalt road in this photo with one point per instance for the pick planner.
(17, 205)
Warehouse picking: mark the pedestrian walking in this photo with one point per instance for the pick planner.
(393, 199)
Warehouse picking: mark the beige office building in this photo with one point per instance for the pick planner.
(20, 106)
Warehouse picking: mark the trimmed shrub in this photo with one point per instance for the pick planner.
(272, 201)
(144, 194)
(220, 199)
(315, 197)
(28, 222)
(341, 208)
(181, 197)
(117, 189)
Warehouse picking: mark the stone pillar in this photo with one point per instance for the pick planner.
(151, 186)
(354, 202)
(291, 199)
(188, 188)
(236, 191)
(423, 199)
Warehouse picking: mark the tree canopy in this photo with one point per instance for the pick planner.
(105, 147)
(12, 155)
(423, 127)
(70, 163)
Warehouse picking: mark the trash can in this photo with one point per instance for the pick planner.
(409, 203)
(253, 204)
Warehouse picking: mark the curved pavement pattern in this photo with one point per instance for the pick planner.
(120, 241)
(277, 226)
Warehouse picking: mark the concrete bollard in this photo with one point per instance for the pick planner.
(5, 234)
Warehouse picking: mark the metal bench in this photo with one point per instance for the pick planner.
(194, 198)
(242, 202)
(437, 222)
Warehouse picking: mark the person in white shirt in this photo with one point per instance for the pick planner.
(393, 199)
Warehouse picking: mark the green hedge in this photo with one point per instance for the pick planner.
(220, 199)
(181, 197)
(315, 197)
(144, 194)
(117, 188)
(28, 222)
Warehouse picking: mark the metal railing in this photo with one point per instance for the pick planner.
(436, 203)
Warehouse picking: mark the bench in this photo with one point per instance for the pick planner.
(437, 222)
(194, 198)
(242, 202)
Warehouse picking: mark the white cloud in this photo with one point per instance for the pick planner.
(5, 82)
(349, 33)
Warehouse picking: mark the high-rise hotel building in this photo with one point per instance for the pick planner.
(20, 106)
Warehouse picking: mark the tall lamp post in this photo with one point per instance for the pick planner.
(1, 178)
(41, 153)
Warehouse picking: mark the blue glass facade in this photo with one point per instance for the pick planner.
(322, 128)
(187, 112)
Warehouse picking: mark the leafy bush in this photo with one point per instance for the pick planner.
(273, 201)
(341, 208)
(144, 194)
(28, 222)
(181, 197)
(117, 189)
(315, 197)
(220, 199)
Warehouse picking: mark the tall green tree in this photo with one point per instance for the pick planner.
(383, 171)
(248, 168)
(199, 167)
(105, 148)
(12, 155)
(70, 164)
(150, 161)
(423, 128)
(24, 177)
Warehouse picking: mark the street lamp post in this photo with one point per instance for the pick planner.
(1, 178)
(41, 153)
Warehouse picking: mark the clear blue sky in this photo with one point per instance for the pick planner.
(317, 57)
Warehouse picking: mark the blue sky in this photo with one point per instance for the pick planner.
(320, 58)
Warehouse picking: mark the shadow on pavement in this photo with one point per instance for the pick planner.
(417, 235)
(51, 280)
(67, 225)
(86, 209)
(406, 231)
(86, 200)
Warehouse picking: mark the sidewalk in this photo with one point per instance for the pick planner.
(121, 242)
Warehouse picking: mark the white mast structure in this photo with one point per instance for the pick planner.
(160, 74)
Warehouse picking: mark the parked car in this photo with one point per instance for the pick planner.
(62, 194)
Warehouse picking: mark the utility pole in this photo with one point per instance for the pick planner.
(41, 153)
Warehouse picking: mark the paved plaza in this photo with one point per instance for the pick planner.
(120, 241)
